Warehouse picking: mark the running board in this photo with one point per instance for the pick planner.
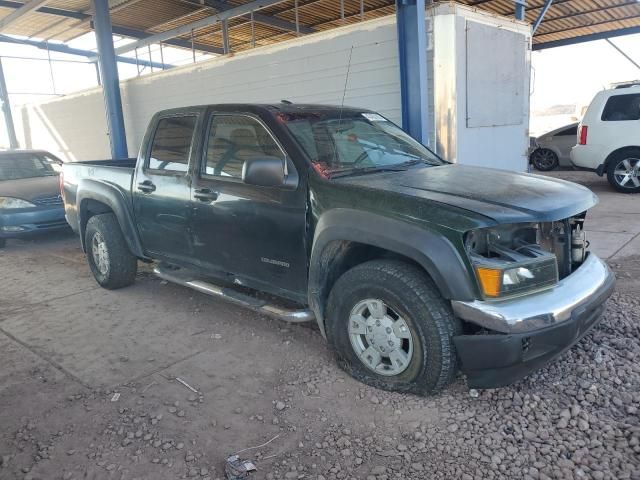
(183, 278)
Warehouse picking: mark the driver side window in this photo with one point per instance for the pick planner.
(232, 139)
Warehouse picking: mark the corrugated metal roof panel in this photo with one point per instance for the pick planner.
(565, 19)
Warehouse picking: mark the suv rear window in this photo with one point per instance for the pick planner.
(622, 107)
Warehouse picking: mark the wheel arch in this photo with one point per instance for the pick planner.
(614, 153)
(98, 198)
(346, 238)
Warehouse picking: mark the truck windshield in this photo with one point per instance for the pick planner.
(355, 143)
(27, 166)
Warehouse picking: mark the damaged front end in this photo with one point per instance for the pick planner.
(541, 291)
(519, 259)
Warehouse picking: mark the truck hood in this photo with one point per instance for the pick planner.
(30, 188)
(504, 196)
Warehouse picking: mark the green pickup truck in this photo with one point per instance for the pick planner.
(412, 267)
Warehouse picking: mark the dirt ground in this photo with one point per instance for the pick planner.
(89, 389)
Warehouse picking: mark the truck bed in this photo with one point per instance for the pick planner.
(115, 175)
(125, 163)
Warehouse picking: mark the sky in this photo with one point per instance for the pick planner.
(568, 75)
(572, 75)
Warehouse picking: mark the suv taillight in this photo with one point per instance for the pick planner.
(582, 136)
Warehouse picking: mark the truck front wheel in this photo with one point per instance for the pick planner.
(112, 264)
(390, 328)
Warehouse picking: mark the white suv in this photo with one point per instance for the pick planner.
(609, 137)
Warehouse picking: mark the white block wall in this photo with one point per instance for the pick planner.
(311, 69)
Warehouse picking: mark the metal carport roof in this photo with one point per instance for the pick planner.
(566, 21)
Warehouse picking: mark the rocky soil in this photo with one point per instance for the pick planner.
(306, 419)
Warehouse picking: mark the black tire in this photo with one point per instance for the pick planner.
(3, 242)
(411, 293)
(616, 163)
(120, 266)
(544, 159)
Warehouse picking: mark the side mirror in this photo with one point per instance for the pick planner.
(263, 171)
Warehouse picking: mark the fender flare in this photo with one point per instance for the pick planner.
(430, 249)
(117, 201)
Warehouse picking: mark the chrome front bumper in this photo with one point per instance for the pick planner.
(591, 284)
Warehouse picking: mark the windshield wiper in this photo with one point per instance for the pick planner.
(360, 171)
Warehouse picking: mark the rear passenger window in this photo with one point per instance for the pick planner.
(622, 107)
(571, 131)
(172, 144)
(234, 138)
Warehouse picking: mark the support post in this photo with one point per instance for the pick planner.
(543, 12)
(6, 110)
(225, 37)
(412, 44)
(520, 9)
(110, 79)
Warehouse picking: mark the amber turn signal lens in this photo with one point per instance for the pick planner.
(490, 281)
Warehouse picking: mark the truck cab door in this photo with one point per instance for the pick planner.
(162, 188)
(254, 233)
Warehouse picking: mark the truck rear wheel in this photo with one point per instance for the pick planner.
(112, 264)
(390, 328)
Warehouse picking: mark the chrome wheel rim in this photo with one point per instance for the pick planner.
(626, 173)
(100, 254)
(380, 337)
(544, 158)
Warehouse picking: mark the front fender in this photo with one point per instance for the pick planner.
(113, 198)
(428, 248)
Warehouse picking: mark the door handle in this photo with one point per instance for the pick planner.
(147, 186)
(205, 195)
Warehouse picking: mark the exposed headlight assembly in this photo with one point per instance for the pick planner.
(10, 202)
(508, 260)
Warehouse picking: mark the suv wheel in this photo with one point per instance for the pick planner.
(112, 264)
(544, 159)
(623, 171)
(390, 328)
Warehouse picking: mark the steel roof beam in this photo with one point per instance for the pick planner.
(260, 18)
(91, 55)
(595, 24)
(123, 31)
(621, 52)
(130, 32)
(20, 12)
(49, 10)
(627, 3)
(204, 22)
(543, 12)
(586, 38)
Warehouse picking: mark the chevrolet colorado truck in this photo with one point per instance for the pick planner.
(412, 267)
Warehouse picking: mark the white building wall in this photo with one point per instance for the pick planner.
(310, 69)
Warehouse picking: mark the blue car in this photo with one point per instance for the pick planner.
(30, 200)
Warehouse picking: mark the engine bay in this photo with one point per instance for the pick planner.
(521, 242)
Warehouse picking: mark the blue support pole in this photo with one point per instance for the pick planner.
(520, 9)
(412, 44)
(543, 12)
(110, 79)
(57, 47)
